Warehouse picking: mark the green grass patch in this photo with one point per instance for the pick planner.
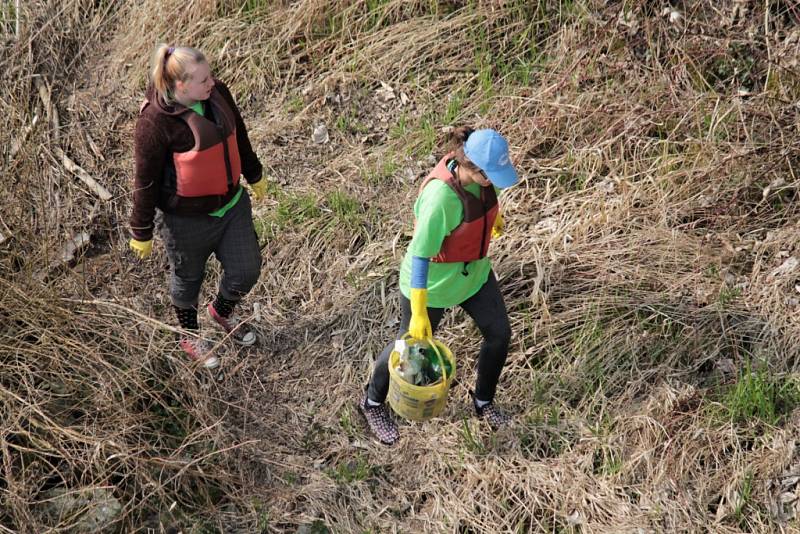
(455, 104)
(381, 171)
(726, 296)
(471, 441)
(543, 434)
(349, 123)
(426, 136)
(346, 211)
(292, 211)
(758, 396)
(8, 15)
(262, 514)
(400, 129)
(745, 496)
(353, 470)
(246, 9)
(606, 461)
(296, 209)
(346, 422)
(295, 104)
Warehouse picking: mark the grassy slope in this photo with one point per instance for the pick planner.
(651, 371)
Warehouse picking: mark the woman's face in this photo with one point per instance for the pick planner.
(481, 179)
(199, 84)
(473, 175)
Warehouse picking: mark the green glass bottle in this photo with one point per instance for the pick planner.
(433, 368)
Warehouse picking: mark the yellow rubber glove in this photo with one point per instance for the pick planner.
(420, 325)
(259, 188)
(141, 248)
(499, 226)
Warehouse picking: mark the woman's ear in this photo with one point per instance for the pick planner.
(179, 85)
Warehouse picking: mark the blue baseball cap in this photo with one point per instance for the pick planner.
(489, 151)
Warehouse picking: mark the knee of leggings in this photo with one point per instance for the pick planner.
(499, 334)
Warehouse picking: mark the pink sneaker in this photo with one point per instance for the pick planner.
(241, 332)
(199, 350)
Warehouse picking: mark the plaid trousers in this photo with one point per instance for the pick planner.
(191, 239)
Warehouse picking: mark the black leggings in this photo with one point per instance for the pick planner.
(487, 309)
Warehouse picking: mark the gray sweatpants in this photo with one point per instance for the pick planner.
(191, 239)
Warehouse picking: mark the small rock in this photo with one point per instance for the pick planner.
(77, 242)
(607, 185)
(320, 134)
(547, 225)
(726, 366)
(575, 518)
(317, 527)
(97, 507)
(386, 92)
(772, 186)
(789, 482)
(786, 267)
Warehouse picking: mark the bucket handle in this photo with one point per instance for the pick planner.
(432, 343)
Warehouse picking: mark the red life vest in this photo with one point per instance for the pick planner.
(469, 241)
(212, 166)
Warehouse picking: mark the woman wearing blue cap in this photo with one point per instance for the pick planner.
(456, 214)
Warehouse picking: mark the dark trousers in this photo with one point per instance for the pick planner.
(488, 310)
(191, 239)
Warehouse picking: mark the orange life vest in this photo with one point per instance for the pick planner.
(469, 241)
(213, 166)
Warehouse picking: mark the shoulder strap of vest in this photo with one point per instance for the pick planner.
(445, 173)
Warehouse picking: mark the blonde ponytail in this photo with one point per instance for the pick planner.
(171, 64)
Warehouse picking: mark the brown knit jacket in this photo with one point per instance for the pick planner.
(160, 132)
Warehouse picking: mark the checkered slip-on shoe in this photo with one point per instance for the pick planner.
(241, 332)
(379, 421)
(491, 413)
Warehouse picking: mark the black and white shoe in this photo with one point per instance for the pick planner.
(491, 413)
(380, 421)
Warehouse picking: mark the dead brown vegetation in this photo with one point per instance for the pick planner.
(650, 268)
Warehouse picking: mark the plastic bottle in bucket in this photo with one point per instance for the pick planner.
(411, 364)
(418, 402)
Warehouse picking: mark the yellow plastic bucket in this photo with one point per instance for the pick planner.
(420, 403)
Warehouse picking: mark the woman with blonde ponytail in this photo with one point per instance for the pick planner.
(191, 149)
(456, 214)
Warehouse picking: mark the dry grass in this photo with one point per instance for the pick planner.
(649, 269)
